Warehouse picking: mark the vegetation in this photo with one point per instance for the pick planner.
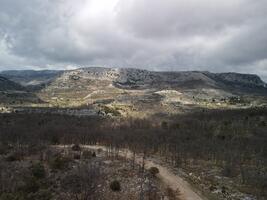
(115, 186)
(38, 170)
(76, 147)
(154, 171)
(231, 142)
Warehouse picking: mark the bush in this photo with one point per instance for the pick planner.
(54, 139)
(94, 154)
(115, 186)
(87, 154)
(164, 125)
(72, 183)
(35, 148)
(171, 194)
(110, 110)
(3, 149)
(229, 171)
(16, 156)
(59, 163)
(7, 196)
(76, 147)
(77, 156)
(31, 185)
(40, 195)
(153, 170)
(38, 171)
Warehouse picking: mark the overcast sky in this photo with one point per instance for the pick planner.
(214, 35)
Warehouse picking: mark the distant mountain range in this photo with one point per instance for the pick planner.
(136, 78)
(8, 85)
(14, 93)
(128, 85)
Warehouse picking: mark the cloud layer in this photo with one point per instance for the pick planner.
(216, 35)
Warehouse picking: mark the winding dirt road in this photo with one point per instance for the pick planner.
(167, 177)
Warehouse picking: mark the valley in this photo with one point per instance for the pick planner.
(159, 135)
(132, 92)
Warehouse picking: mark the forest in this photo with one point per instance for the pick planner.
(233, 141)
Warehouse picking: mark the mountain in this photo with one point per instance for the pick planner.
(128, 78)
(7, 85)
(33, 80)
(12, 93)
(138, 90)
(131, 78)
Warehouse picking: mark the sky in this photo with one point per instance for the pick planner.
(163, 35)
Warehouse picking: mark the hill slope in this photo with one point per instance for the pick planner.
(12, 93)
(138, 90)
(31, 79)
(143, 79)
(7, 85)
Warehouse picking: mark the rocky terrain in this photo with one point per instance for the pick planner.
(128, 91)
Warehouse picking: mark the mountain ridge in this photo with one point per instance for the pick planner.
(132, 78)
(141, 78)
(133, 90)
(29, 73)
(7, 85)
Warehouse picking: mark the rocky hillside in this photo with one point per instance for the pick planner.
(12, 93)
(30, 77)
(136, 78)
(7, 85)
(128, 78)
(138, 89)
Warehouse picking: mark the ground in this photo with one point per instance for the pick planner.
(56, 173)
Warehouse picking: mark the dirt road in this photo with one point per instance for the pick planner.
(170, 179)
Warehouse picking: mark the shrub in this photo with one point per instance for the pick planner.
(38, 171)
(31, 185)
(87, 154)
(7, 196)
(94, 154)
(110, 110)
(3, 149)
(54, 139)
(115, 186)
(228, 171)
(34, 148)
(153, 170)
(40, 195)
(15, 156)
(76, 147)
(77, 156)
(224, 189)
(262, 123)
(212, 188)
(164, 125)
(72, 183)
(171, 194)
(59, 163)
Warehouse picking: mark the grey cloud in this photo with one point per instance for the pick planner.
(246, 47)
(154, 34)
